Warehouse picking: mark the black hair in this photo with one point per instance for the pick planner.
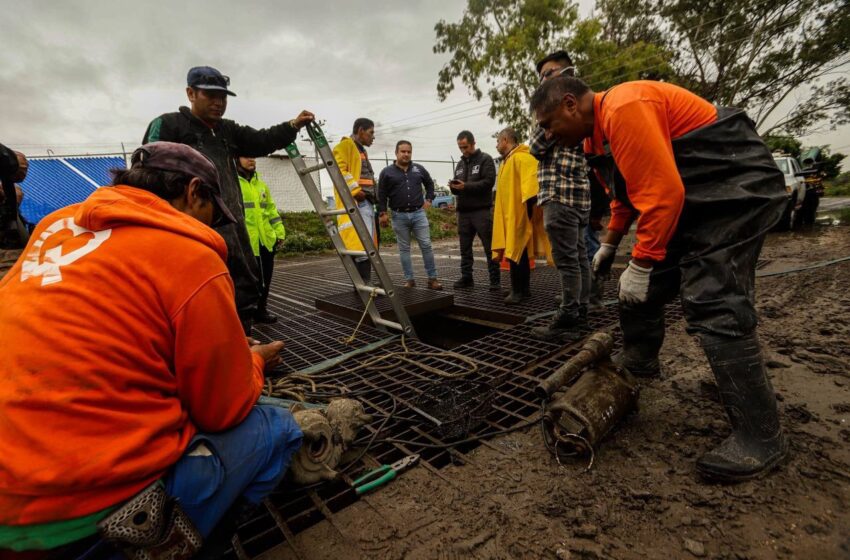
(511, 134)
(167, 185)
(466, 135)
(557, 56)
(400, 142)
(550, 93)
(362, 124)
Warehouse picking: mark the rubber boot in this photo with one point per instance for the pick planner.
(526, 280)
(515, 296)
(643, 335)
(757, 443)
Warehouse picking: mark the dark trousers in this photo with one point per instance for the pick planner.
(565, 227)
(716, 283)
(469, 224)
(266, 263)
(521, 275)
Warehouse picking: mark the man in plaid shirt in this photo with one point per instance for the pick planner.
(565, 199)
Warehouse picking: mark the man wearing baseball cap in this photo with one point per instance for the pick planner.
(125, 362)
(203, 127)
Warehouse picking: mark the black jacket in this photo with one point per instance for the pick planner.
(478, 172)
(222, 144)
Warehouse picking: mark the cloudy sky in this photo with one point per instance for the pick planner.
(85, 76)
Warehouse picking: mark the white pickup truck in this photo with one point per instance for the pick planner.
(795, 186)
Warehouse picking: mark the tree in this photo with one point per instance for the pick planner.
(496, 44)
(755, 54)
(830, 164)
(785, 144)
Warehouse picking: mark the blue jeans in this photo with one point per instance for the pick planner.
(416, 222)
(591, 242)
(248, 460)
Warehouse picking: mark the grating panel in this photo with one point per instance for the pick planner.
(511, 360)
(416, 301)
(314, 339)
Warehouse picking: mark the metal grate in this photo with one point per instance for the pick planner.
(313, 340)
(416, 301)
(510, 360)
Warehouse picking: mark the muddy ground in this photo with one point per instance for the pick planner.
(643, 499)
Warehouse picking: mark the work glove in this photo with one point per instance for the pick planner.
(603, 259)
(634, 283)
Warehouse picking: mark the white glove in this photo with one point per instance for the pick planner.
(634, 283)
(604, 258)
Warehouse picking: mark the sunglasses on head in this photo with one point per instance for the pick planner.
(212, 80)
(569, 70)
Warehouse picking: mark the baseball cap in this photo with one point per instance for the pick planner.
(180, 158)
(207, 77)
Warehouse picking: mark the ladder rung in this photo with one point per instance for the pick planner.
(390, 324)
(336, 212)
(313, 168)
(370, 289)
(353, 253)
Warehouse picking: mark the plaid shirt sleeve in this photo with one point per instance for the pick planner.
(562, 175)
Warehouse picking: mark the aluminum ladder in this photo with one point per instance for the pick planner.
(328, 216)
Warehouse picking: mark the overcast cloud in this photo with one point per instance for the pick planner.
(84, 76)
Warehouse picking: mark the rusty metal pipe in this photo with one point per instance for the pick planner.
(598, 346)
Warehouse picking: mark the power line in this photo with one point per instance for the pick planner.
(447, 107)
(408, 126)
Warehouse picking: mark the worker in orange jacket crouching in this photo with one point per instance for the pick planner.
(126, 376)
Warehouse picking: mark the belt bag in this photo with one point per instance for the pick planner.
(151, 526)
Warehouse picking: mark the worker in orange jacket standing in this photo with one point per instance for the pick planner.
(704, 190)
(125, 366)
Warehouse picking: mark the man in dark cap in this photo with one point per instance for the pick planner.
(203, 127)
(120, 313)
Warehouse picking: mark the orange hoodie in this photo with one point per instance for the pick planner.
(120, 341)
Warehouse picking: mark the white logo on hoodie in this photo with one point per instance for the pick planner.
(50, 268)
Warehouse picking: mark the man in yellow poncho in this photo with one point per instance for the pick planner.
(353, 162)
(518, 233)
(265, 228)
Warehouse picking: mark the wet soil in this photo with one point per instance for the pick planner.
(642, 499)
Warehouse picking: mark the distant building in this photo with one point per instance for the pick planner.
(55, 182)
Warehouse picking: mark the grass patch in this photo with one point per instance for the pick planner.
(305, 232)
(840, 186)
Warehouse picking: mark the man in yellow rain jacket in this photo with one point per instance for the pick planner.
(518, 233)
(354, 164)
(265, 228)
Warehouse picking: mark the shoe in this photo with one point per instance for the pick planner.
(464, 282)
(263, 316)
(514, 298)
(596, 303)
(410, 283)
(434, 284)
(495, 287)
(633, 361)
(757, 443)
(565, 326)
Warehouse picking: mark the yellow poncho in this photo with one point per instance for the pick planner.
(348, 159)
(513, 231)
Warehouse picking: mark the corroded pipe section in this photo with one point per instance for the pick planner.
(597, 347)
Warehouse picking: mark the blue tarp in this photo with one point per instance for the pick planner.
(51, 184)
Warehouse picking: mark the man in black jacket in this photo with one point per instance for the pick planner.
(475, 176)
(204, 128)
(13, 168)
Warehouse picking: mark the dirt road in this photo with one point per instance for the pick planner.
(643, 499)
